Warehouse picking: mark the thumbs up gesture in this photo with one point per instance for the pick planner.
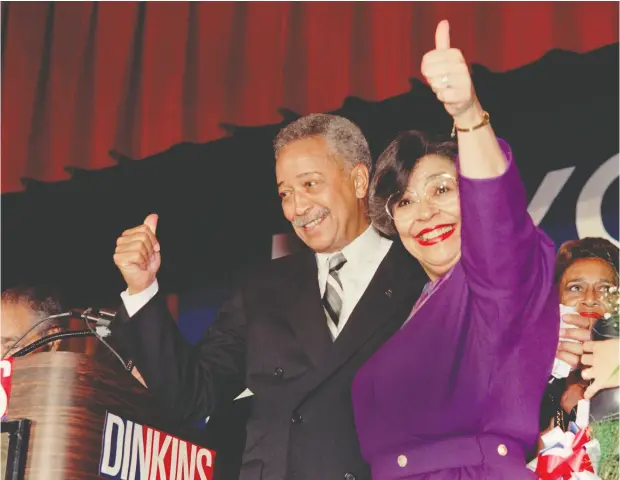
(138, 256)
(445, 70)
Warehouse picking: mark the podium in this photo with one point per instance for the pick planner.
(65, 396)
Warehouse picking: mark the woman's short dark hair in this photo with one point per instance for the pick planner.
(393, 169)
(588, 247)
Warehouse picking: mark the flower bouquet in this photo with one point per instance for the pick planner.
(605, 405)
(607, 435)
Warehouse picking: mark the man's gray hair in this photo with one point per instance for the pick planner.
(344, 138)
(41, 301)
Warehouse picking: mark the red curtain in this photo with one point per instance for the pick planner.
(81, 78)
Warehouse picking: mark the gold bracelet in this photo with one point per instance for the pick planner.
(485, 121)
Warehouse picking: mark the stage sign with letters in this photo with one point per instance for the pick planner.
(131, 451)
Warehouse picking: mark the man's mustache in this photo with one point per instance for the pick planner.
(304, 220)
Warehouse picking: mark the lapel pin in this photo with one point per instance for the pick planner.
(389, 293)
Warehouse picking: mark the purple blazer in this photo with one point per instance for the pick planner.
(456, 393)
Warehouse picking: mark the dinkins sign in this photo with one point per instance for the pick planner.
(131, 451)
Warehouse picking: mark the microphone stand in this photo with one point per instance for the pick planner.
(101, 318)
(51, 338)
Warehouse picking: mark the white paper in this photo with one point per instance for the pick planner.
(565, 310)
(582, 419)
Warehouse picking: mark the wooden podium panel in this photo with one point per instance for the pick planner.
(66, 396)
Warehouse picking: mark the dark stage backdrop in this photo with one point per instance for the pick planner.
(81, 78)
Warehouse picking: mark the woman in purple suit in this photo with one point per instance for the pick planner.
(456, 393)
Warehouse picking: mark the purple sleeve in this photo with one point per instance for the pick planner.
(506, 258)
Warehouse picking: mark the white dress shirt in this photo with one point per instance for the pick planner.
(133, 303)
(364, 254)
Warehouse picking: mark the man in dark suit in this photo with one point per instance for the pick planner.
(296, 330)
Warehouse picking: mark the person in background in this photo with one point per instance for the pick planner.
(456, 392)
(22, 308)
(585, 270)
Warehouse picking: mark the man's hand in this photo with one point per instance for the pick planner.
(448, 75)
(137, 255)
(571, 351)
(603, 361)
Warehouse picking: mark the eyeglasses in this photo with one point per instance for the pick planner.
(439, 190)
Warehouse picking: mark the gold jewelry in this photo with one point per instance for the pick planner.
(485, 121)
(559, 418)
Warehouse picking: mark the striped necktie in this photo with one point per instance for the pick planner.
(332, 298)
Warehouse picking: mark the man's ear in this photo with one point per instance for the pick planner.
(361, 178)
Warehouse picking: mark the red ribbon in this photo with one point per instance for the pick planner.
(554, 467)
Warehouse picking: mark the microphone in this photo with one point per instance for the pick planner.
(101, 317)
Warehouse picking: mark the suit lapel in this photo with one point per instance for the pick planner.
(303, 309)
(390, 295)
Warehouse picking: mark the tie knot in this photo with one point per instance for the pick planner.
(336, 262)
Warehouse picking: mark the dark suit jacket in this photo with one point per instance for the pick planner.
(272, 337)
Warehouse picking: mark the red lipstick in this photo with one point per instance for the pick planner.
(439, 238)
